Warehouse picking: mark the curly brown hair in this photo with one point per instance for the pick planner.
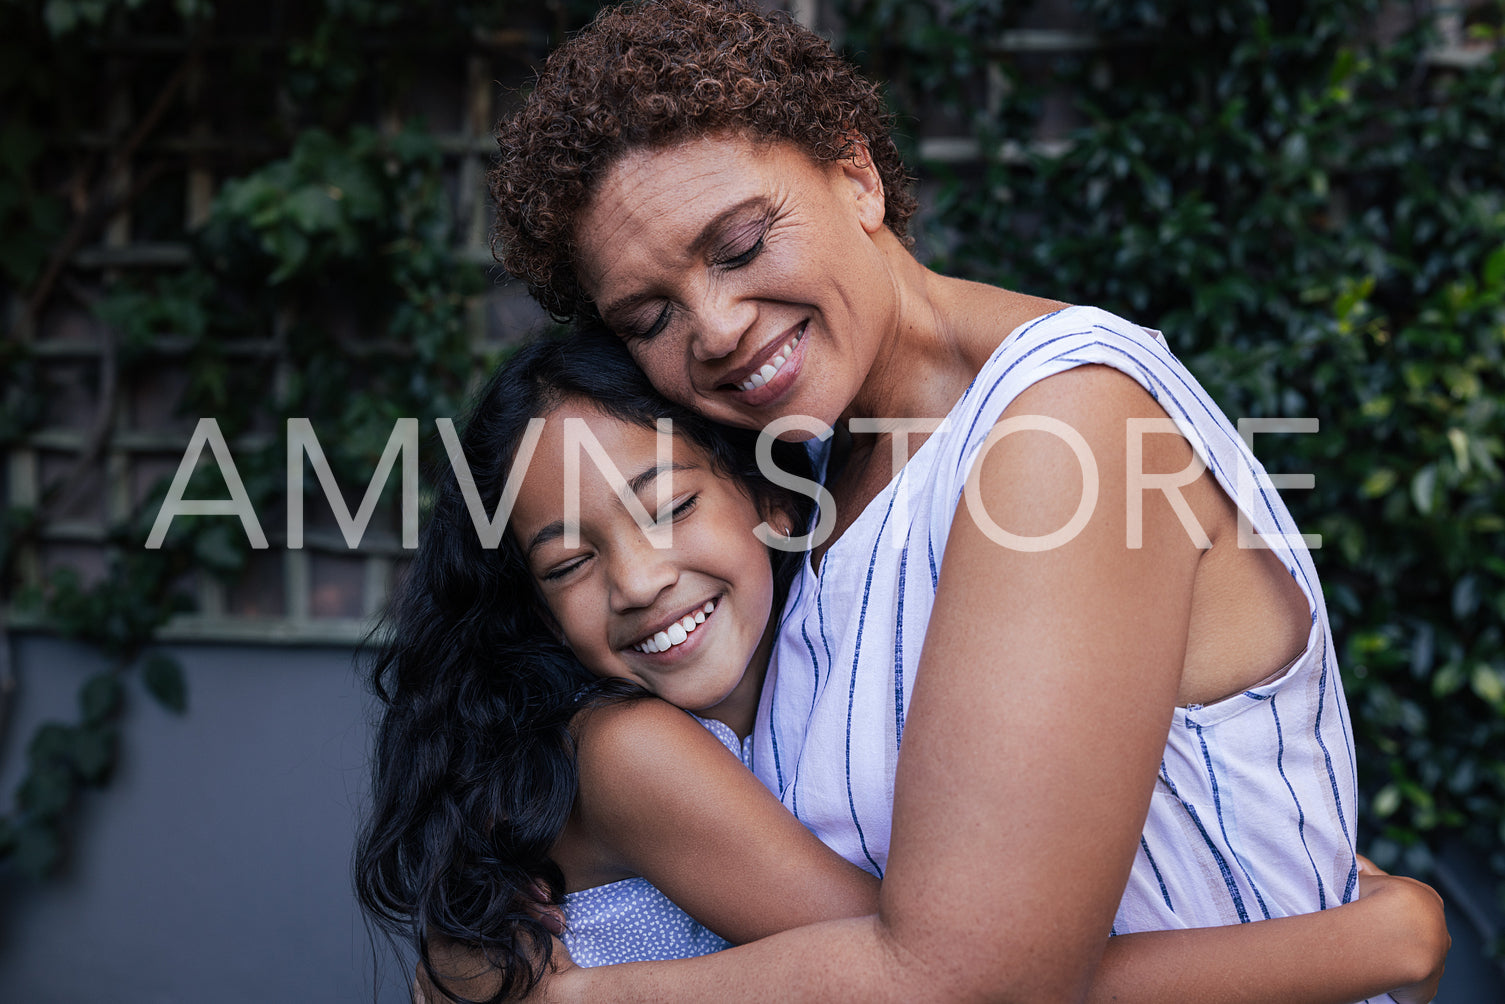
(648, 74)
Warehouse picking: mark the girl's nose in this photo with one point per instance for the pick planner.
(639, 573)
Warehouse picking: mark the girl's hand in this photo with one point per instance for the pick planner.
(1424, 932)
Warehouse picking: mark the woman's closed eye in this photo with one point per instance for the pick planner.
(741, 258)
(745, 245)
(641, 330)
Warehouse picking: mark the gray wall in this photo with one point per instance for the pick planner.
(216, 866)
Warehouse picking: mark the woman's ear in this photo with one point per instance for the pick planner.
(865, 185)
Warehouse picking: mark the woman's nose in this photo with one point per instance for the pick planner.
(639, 573)
(720, 322)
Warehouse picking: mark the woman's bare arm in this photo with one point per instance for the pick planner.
(1030, 750)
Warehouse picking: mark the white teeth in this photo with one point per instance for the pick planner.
(677, 632)
(771, 368)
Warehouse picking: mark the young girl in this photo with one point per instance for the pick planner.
(507, 772)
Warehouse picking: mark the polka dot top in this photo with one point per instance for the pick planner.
(630, 920)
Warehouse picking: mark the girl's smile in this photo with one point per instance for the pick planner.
(677, 633)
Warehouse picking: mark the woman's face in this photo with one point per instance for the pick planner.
(743, 275)
(685, 620)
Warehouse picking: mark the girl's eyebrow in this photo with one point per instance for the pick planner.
(648, 475)
(553, 531)
(707, 234)
(635, 484)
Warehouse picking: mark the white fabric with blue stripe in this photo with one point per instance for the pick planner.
(1253, 812)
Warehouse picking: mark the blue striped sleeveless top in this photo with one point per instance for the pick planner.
(1253, 811)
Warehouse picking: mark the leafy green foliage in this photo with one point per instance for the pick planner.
(336, 244)
(1316, 218)
(163, 677)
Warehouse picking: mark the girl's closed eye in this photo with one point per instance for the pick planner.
(684, 507)
(561, 571)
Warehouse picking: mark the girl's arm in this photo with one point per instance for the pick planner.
(685, 814)
(680, 810)
(1392, 939)
(661, 797)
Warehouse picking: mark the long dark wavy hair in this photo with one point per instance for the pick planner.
(474, 770)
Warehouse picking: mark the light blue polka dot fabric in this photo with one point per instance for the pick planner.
(630, 920)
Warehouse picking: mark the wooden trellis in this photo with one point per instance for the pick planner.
(116, 439)
(324, 592)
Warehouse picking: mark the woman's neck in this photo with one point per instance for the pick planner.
(943, 331)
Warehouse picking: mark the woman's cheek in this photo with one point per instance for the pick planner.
(667, 367)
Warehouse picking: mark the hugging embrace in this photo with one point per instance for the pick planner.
(1034, 699)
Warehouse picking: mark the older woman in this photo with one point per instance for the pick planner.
(1059, 666)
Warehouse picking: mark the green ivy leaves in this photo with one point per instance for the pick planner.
(163, 677)
(1317, 222)
(338, 245)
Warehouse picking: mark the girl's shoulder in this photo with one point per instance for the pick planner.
(637, 729)
(639, 761)
(636, 754)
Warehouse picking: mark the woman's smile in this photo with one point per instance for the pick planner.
(743, 276)
(772, 374)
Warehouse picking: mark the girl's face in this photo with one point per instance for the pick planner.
(685, 620)
(743, 275)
